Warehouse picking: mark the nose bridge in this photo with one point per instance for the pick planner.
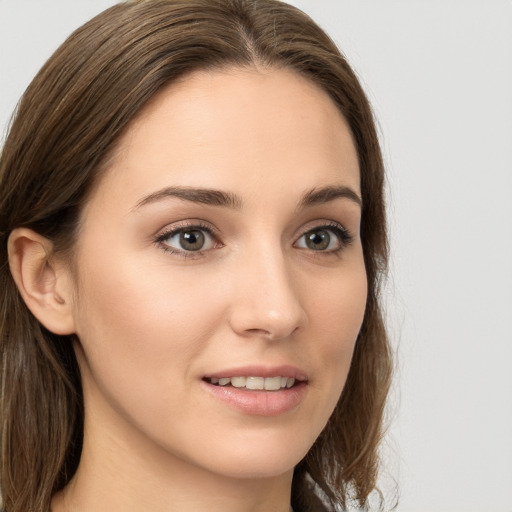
(268, 302)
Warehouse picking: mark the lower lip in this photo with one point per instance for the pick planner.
(259, 403)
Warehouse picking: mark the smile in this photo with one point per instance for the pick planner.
(254, 383)
(258, 396)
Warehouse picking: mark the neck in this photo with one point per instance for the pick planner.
(120, 472)
(89, 492)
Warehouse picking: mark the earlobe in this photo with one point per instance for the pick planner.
(44, 287)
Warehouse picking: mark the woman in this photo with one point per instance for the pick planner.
(193, 236)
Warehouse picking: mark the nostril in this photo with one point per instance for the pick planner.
(271, 334)
(259, 332)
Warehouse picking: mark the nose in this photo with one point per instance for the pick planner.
(267, 301)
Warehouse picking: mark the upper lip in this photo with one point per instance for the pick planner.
(260, 371)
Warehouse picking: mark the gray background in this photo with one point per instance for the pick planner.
(439, 75)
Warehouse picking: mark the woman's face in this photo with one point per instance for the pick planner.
(220, 252)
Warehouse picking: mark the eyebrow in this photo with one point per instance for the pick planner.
(329, 193)
(213, 197)
(206, 196)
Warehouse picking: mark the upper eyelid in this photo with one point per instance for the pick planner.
(184, 225)
(207, 226)
(338, 229)
(319, 224)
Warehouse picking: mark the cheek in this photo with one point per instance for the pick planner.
(132, 295)
(141, 333)
(338, 307)
(336, 315)
(136, 323)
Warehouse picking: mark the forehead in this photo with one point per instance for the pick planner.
(236, 128)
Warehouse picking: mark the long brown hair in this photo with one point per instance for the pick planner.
(66, 126)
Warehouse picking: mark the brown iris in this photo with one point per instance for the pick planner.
(318, 240)
(192, 240)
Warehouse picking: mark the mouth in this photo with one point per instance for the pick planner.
(254, 383)
(259, 390)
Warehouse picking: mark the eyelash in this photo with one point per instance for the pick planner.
(162, 237)
(343, 235)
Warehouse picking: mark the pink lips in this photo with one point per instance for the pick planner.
(259, 402)
(261, 371)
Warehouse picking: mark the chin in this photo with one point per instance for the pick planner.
(257, 469)
(257, 458)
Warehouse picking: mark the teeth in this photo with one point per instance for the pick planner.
(272, 383)
(255, 383)
(238, 382)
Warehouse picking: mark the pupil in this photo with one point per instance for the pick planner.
(192, 240)
(318, 240)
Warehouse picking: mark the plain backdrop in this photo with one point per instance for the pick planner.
(439, 75)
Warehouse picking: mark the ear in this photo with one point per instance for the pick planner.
(44, 284)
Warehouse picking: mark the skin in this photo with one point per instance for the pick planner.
(152, 323)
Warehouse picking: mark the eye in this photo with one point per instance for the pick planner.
(324, 239)
(188, 239)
